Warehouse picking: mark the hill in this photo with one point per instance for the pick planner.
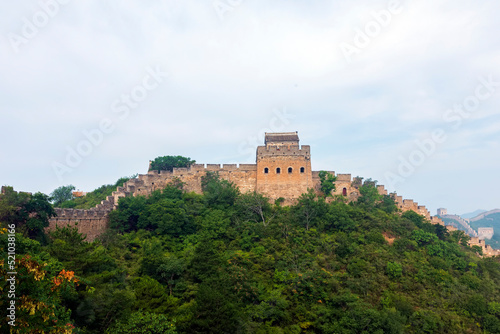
(489, 220)
(473, 214)
(226, 262)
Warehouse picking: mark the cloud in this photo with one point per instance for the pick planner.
(227, 76)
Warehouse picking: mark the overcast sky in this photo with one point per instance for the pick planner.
(404, 92)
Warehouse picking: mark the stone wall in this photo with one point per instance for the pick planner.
(487, 250)
(94, 222)
(91, 223)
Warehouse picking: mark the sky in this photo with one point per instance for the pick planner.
(403, 92)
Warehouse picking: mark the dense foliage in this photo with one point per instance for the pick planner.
(225, 262)
(168, 162)
(29, 213)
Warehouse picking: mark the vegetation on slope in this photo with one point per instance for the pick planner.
(225, 262)
(91, 199)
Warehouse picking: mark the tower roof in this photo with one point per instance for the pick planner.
(272, 137)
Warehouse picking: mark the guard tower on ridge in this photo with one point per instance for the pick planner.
(283, 166)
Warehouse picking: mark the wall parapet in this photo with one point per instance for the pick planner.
(304, 150)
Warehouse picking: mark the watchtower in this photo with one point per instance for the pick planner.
(283, 166)
(442, 212)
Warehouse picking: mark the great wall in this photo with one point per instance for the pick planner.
(282, 170)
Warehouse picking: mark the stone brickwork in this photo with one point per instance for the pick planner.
(487, 250)
(91, 223)
(485, 233)
(283, 169)
(409, 204)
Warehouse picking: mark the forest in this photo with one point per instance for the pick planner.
(227, 262)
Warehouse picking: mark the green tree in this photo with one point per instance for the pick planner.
(255, 207)
(130, 213)
(169, 162)
(219, 193)
(394, 269)
(62, 194)
(168, 217)
(29, 213)
(309, 209)
(40, 284)
(369, 193)
(145, 323)
(214, 312)
(327, 181)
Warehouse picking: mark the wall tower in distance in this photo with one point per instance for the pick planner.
(442, 212)
(283, 166)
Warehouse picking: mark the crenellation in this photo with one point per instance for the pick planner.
(248, 167)
(213, 167)
(180, 171)
(344, 178)
(437, 221)
(399, 199)
(198, 167)
(408, 202)
(229, 167)
(381, 190)
(278, 150)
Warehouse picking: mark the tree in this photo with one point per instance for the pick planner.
(40, 284)
(309, 209)
(255, 206)
(145, 323)
(62, 194)
(218, 192)
(169, 162)
(30, 213)
(327, 181)
(214, 311)
(369, 193)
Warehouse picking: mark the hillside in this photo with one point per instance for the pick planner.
(472, 214)
(490, 220)
(226, 262)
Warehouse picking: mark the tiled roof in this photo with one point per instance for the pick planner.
(281, 136)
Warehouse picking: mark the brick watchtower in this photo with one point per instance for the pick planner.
(283, 167)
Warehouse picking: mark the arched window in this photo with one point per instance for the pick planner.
(290, 169)
(278, 170)
(302, 169)
(344, 191)
(266, 170)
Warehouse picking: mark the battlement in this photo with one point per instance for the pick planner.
(344, 177)
(276, 151)
(381, 190)
(197, 168)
